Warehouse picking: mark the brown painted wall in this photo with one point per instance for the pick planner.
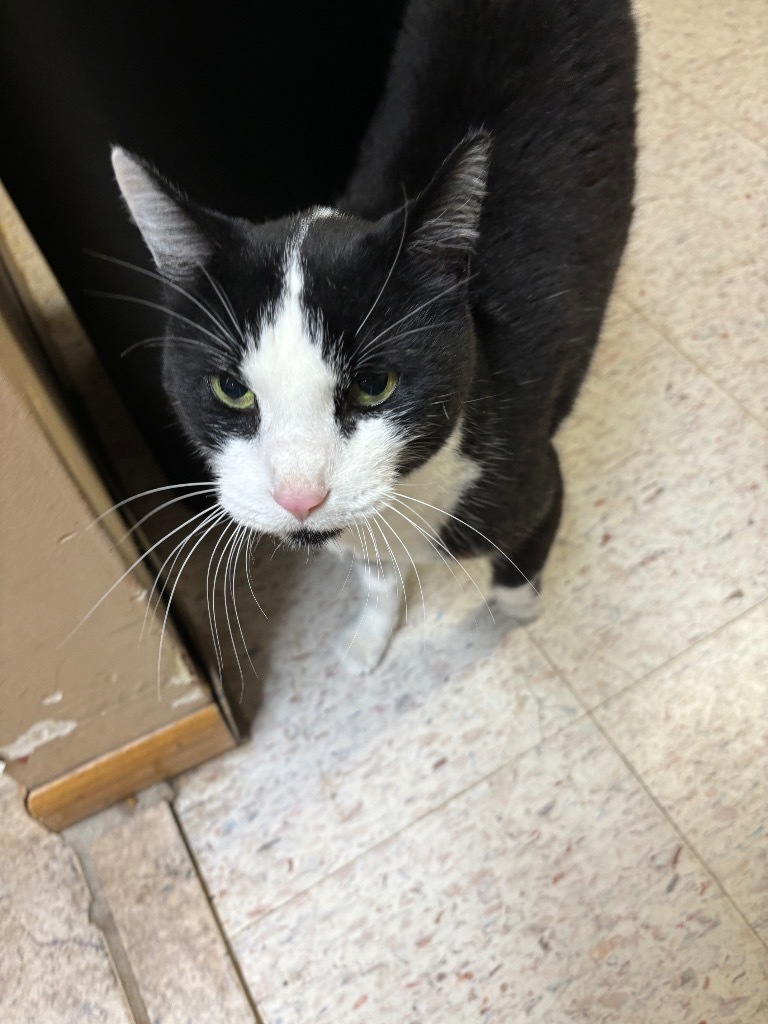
(100, 688)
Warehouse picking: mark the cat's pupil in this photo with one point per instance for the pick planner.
(372, 383)
(231, 387)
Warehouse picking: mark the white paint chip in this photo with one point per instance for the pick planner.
(38, 735)
(182, 675)
(189, 698)
(53, 698)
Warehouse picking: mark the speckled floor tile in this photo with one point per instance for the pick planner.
(696, 264)
(683, 39)
(178, 957)
(337, 763)
(666, 522)
(720, 320)
(451, 840)
(733, 88)
(54, 965)
(696, 733)
(554, 891)
(685, 151)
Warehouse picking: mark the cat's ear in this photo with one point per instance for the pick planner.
(176, 241)
(448, 212)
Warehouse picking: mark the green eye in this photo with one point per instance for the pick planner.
(231, 392)
(370, 389)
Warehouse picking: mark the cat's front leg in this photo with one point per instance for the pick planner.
(364, 641)
(517, 572)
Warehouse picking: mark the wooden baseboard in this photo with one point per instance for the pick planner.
(123, 772)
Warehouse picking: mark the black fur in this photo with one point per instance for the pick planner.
(553, 82)
(494, 188)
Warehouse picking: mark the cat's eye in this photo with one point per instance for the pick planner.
(371, 388)
(231, 392)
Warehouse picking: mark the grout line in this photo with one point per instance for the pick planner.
(698, 367)
(707, 107)
(579, 717)
(685, 839)
(257, 1017)
(100, 915)
(584, 711)
(589, 713)
(679, 655)
(561, 675)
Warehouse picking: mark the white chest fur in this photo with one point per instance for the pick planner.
(407, 527)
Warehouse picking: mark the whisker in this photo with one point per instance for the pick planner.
(469, 527)
(210, 596)
(367, 352)
(143, 494)
(446, 291)
(166, 504)
(164, 281)
(248, 573)
(394, 562)
(195, 546)
(242, 552)
(214, 519)
(367, 595)
(159, 341)
(237, 547)
(349, 572)
(224, 301)
(226, 553)
(437, 544)
(386, 280)
(127, 572)
(379, 567)
(242, 549)
(410, 558)
(160, 581)
(230, 349)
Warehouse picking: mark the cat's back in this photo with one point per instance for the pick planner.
(542, 76)
(553, 83)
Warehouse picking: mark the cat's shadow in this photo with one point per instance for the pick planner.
(277, 627)
(449, 628)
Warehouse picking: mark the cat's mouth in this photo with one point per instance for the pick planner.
(312, 538)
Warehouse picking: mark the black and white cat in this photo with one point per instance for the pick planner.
(388, 373)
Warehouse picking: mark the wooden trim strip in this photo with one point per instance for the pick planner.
(120, 773)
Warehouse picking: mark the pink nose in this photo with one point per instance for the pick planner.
(300, 503)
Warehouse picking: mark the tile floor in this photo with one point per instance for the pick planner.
(564, 823)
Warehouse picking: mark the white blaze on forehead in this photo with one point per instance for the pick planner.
(299, 446)
(294, 386)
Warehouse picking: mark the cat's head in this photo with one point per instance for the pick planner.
(317, 359)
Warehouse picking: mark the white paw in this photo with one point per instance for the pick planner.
(520, 604)
(363, 642)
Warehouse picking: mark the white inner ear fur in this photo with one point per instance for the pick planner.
(177, 244)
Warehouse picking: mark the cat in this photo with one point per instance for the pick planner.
(385, 376)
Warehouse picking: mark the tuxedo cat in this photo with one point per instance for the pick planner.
(386, 375)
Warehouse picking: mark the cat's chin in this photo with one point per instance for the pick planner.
(310, 538)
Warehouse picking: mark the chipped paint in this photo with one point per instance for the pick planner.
(53, 698)
(182, 675)
(189, 698)
(40, 733)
